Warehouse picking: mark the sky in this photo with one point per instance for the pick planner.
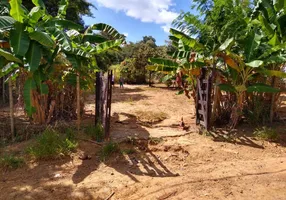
(138, 18)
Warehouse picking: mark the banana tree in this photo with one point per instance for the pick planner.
(244, 68)
(86, 47)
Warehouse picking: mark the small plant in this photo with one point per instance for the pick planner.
(155, 141)
(52, 144)
(128, 151)
(266, 133)
(11, 162)
(95, 132)
(108, 149)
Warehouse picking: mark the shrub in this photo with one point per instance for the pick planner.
(95, 132)
(265, 133)
(128, 151)
(52, 144)
(11, 162)
(108, 149)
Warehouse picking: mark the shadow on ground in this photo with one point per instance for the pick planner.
(139, 162)
(128, 95)
(244, 136)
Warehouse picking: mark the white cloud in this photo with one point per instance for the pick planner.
(126, 34)
(156, 11)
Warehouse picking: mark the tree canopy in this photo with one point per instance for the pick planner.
(76, 9)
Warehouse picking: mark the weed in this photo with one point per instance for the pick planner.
(51, 144)
(11, 162)
(266, 133)
(108, 149)
(155, 141)
(151, 117)
(128, 151)
(95, 132)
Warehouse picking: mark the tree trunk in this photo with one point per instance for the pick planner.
(3, 89)
(11, 109)
(150, 79)
(272, 101)
(216, 102)
(78, 100)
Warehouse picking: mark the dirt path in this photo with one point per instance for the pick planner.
(180, 166)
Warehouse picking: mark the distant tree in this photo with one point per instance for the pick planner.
(75, 11)
(135, 58)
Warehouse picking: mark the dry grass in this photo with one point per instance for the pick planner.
(150, 116)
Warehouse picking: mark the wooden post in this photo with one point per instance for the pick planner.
(78, 100)
(108, 105)
(11, 109)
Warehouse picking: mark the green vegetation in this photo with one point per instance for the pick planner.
(243, 48)
(95, 132)
(266, 133)
(11, 162)
(51, 145)
(134, 57)
(155, 141)
(128, 151)
(108, 149)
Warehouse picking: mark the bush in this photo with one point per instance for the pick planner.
(51, 144)
(95, 132)
(265, 133)
(108, 149)
(11, 162)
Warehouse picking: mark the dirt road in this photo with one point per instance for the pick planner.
(181, 165)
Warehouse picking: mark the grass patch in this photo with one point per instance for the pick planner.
(128, 151)
(266, 133)
(155, 141)
(150, 116)
(95, 132)
(11, 162)
(51, 144)
(108, 149)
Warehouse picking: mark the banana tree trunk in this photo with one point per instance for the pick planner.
(78, 99)
(216, 102)
(3, 90)
(237, 110)
(272, 101)
(11, 109)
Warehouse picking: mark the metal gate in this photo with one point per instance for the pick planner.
(203, 99)
(103, 94)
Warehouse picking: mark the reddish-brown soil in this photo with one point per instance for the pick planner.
(182, 165)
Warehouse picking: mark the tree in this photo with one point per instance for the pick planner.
(136, 56)
(50, 51)
(75, 10)
(239, 49)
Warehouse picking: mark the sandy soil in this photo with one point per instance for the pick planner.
(183, 165)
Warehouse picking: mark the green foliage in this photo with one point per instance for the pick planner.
(257, 112)
(51, 145)
(11, 162)
(75, 10)
(95, 132)
(108, 149)
(135, 59)
(128, 151)
(155, 141)
(266, 133)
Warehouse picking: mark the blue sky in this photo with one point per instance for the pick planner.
(137, 18)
